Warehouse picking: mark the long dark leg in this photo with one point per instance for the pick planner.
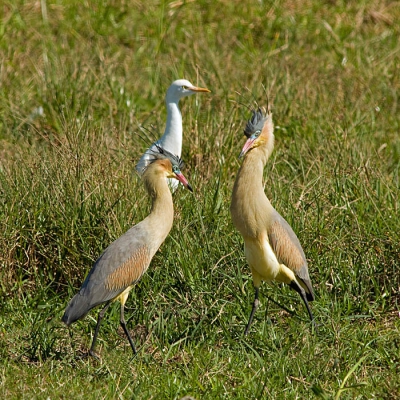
(256, 302)
(123, 324)
(295, 286)
(96, 332)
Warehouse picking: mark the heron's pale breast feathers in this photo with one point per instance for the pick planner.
(261, 258)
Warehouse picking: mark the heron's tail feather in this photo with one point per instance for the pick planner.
(77, 308)
(310, 296)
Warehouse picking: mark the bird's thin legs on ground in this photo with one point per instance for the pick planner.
(295, 286)
(123, 324)
(256, 302)
(96, 332)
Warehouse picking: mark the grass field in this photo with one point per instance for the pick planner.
(78, 79)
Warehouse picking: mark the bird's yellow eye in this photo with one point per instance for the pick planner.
(184, 87)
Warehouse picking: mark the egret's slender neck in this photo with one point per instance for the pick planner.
(171, 140)
(161, 216)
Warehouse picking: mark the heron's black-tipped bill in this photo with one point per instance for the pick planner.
(181, 178)
(247, 146)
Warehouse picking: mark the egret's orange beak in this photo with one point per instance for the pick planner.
(199, 89)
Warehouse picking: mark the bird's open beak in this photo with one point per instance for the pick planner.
(247, 146)
(184, 181)
(199, 89)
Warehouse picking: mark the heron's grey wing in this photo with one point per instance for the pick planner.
(288, 250)
(121, 265)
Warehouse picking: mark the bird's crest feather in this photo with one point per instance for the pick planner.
(159, 153)
(256, 122)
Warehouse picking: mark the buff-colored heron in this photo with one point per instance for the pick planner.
(272, 249)
(125, 260)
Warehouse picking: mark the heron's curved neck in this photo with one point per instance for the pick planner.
(250, 206)
(161, 215)
(249, 180)
(171, 140)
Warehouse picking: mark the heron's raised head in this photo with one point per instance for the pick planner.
(169, 164)
(182, 88)
(259, 130)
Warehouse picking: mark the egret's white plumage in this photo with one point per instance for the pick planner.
(171, 140)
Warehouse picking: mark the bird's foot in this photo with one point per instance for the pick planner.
(91, 353)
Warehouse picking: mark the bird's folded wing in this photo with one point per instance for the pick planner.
(121, 265)
(288, 250)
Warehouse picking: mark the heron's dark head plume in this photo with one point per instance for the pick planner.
(256, 122)
(259, 131)
(160, 153)
(157, 152)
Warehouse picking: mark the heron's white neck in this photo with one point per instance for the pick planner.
(171, 140)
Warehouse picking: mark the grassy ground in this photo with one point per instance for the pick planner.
(78, 78)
